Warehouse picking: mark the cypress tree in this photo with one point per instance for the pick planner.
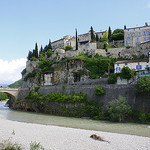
(45, 49)
(92, 34)
(49, 45)
(30, 55)
(109, 33)
(36, 51)
(97, 38)
(125, 27)
(41, 50)
(76, 40)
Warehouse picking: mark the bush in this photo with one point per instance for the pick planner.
(126, 73)
(30, 75)
(49, 53)
(143, 86)
(68, 47)
(118, 109)
(99, 90)
(112, 79)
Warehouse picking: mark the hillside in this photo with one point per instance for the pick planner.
(16, 84)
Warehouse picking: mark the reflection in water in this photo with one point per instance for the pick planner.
(30, 117)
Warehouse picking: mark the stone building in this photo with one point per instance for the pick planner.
(63, 42)
(135, 36)
(84, 40)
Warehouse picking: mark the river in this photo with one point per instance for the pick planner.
(37, 118)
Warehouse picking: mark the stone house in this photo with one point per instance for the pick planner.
(84, 40)
(135, 36)
(63, 42)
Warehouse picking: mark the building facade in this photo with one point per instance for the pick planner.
(62, 43)
(84, 40)
(136, 65)
(135, 36)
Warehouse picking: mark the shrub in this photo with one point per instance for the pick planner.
(99, 90)
(112, 79)
(49, 53)
(118, 109)
(30, 75)
(126, 73)
(33, 59)
(143, 86)
(36, 146)
(68, 47)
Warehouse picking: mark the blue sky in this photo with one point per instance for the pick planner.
(25, 22)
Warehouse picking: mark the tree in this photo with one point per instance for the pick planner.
(36, 51)
(49, 53)
(126, 73)
(76, 40)
(143, 86)
(41, 50)
(119, 109)
(125, 27)
(109, 33)
(30, 55)
(118, 34)
(97, 38)
(92, 34)
(49, 46)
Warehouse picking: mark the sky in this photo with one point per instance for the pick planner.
(25, 22)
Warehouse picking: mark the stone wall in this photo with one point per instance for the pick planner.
(112, 92)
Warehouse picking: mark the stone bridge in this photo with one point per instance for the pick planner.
(12, 92)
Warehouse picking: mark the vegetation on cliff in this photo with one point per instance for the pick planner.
(16, 84)
(75, 105)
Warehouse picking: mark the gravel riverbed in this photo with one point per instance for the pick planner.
(62, 138)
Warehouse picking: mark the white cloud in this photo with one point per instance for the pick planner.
(10, 71)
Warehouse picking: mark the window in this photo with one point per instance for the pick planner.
(116, 69)
(144, 39)
(137, 67)
(148, 32)
(117, 64)
(139, 34)
(119, 69)
(128, 35)
(140, 66)
(137, 40)
(129, 41)
(126, 42)
(147, 66)
(149, 38)
(126, 64)
(144, 33)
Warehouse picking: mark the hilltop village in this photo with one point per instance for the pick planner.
(128, 47)
(101, 75)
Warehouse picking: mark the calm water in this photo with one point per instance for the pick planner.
(125, 128)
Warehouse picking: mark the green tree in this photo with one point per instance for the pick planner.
(126, 73)
(109, 33)
(118, 109)
(36, 51)
(92, 34)
(30, 55)
(112, 79)
(49, 53)
(143, 86)
(97, 38)
(118, 34)
(49, 46)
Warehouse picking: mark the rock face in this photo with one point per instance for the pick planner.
(64, 72)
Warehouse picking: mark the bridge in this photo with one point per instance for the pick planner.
(13, 92)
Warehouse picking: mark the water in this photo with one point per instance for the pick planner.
(30, 117)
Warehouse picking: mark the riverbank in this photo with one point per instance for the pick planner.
(62, 138)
